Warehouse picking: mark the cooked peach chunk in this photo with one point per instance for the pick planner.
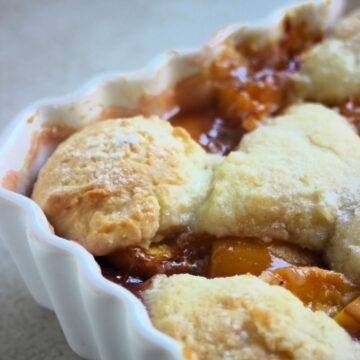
(235, 256)
(349, 317)
(142, 261)
(195, 123)
(319, 289)
(182, 253)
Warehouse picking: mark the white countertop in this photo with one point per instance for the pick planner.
(49, 48)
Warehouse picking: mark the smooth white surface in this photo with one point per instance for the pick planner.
(49, 48)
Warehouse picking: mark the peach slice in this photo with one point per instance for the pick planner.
(317, 288)
(196, 123)
(349, 317)
(234, 256)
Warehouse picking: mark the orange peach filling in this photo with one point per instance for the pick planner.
(246, 85)
(349, 318)
(235, 256)
(276, 262)
(317, 288)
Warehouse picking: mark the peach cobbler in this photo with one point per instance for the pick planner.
(235, 217)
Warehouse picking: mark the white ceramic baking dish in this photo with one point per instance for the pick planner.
(100, 319)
